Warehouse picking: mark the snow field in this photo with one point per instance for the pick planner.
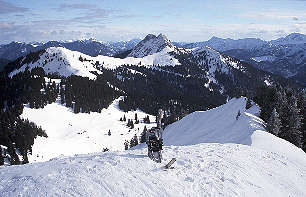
(70, 133)
(201, 170)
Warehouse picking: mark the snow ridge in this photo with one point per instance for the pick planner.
(61, 61)
(64, 62)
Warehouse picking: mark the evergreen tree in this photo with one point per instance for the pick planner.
(274, 123)
(128, 123)
(1, 157)
(146, 119)
(294, 123)
(77, 108)
(248, 104)
(132, 143)
(136, 118)
(124, 118)
(301, 104)
(109, 133)
(135, 139)
(143, 135)
(126, 145)
(62, 94)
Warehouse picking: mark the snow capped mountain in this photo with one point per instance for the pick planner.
(60, 61)
(64, 62)
(121, 46)
(217, 155)
(228, 44)
(284, 56)
(215, 60)
(90, 47)
(15, 49)
(214, 63)
(291, 39)
(152, 44)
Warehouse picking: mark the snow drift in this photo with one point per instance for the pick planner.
(217, 155)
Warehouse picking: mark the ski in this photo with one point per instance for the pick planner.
(168, 166)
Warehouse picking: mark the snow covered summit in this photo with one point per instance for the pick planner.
(291, 39)
(152, 44)
(61, 61)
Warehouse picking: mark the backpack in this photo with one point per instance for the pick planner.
(155, 144)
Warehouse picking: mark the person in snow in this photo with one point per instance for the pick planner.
(154, 141)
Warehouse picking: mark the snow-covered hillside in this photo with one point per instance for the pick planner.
(70, 133)
(213, 61)
(65, 62)
(220, 156)
(267, 58)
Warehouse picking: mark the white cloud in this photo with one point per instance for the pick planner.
(274, 14)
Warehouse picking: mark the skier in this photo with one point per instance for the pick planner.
(155, 142)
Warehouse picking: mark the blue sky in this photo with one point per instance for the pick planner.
(180, 20)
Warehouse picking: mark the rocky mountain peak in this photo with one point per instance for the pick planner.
(151, 44)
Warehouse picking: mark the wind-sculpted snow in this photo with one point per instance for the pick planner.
(219, 125)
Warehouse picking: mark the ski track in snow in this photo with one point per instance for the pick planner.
(217, 155)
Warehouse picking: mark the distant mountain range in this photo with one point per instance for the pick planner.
(92, 47)
(221, 73)
(284, 56)
(153, 74)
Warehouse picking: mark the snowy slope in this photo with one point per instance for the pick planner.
(61, 61)
(267, 58)
(70, 133)
(65, 62)
(201, 170)
(213, 61)
(244, 165)
(219, 125)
